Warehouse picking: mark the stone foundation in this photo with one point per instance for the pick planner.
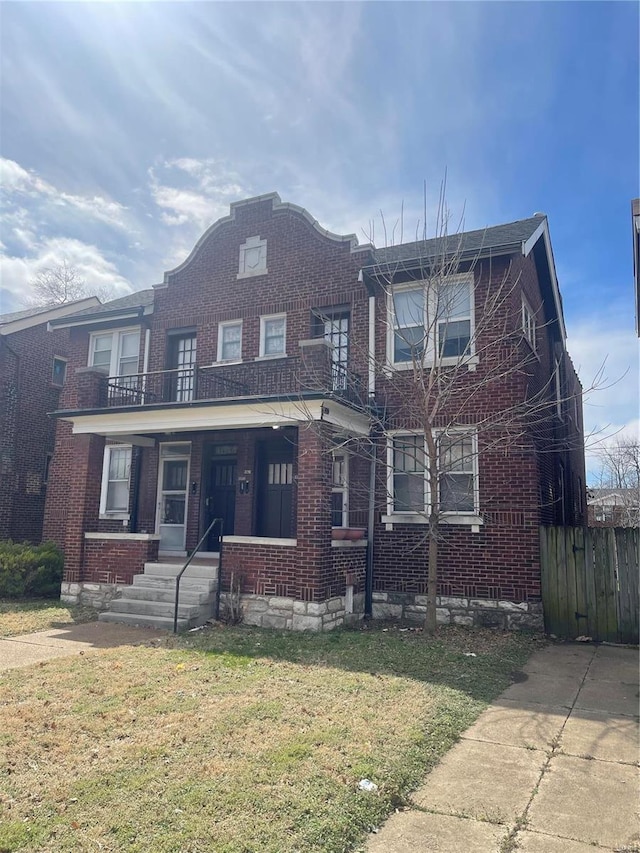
(96, 595)
(289, 614)
(472, 612)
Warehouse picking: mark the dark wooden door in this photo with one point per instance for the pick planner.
(220, 500)
(274, 510)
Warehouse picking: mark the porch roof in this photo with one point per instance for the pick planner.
(142, 425)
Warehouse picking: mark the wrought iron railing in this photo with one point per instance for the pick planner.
(281, 377)
(215, 521)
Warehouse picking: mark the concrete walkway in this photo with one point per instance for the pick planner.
(70, 640)
(550, 767)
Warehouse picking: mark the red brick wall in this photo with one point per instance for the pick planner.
(261, 569)
(27, 433)
(116, 561)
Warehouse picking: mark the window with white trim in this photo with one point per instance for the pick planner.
(431, 320)
(116, 473)
(230, 341)
(115, 352)
(340, 489)
(457, 473)
(529, 324)
(273, 335)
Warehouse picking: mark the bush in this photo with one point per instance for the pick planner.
(30, 570)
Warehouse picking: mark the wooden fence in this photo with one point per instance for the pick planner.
(590, 582)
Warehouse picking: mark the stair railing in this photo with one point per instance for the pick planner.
(215, 521)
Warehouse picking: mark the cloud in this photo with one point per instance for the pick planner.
(98, 272)
(19, 183)
(193, 191)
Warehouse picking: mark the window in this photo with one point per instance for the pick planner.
(181, 360)
(115, 352)
(408, 324)
(230, 341)
(273, 330)
(409, 493)
(529, 324)
(454, 320)
(116, 471)
(432, 320)
(333, 326)
(59, 371)
(47, 468)
(457, 479)
(253, 257)
(557, 381)
(339, 490)
(456, 463)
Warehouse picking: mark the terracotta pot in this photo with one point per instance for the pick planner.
(354, 533)
(339, 532)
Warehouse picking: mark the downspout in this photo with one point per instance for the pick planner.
(371, 359)
(368, 578)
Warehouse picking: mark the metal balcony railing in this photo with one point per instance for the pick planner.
(281, 377)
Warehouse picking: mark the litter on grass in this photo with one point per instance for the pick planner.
(367, 785)
(470, 654)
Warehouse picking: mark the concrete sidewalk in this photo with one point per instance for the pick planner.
(550, 767)
(70, 640)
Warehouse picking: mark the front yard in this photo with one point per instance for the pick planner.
(235, 739)
(23, 617)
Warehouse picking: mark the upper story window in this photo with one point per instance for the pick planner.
(59, 371)
(230, 341)
(529, 324)
(431, 321)
(273, 335)
(333, 326)
(115, 352)
(253, 257)
(181, 361)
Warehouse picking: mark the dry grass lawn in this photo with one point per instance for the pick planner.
(24, 617)
(235, 739)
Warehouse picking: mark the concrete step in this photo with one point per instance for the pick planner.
(167, 592)
(160, 582)
(153, 608)
(163, 623)
(207, 570)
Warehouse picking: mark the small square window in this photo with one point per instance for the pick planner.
(59, 371)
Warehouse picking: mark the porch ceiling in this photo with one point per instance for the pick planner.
(137, 424)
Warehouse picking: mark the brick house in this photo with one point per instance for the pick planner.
(613, 507)
(245, 387)
(32, 373)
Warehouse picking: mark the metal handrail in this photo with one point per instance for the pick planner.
(186, 566)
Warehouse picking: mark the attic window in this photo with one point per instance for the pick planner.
(253, 257)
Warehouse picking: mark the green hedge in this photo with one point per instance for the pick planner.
(30, 570)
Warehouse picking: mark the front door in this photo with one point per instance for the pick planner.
(274, 510)
(220, 500)
(172, 495)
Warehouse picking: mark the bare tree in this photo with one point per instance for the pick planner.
(619, 474)
(62, 283)
(460, 377)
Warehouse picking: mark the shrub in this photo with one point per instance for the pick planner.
(30, 570)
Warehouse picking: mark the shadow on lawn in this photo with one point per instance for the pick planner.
(479, 662)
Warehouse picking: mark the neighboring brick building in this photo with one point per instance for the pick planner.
(613, 507)
(32, 371)
(246, 386)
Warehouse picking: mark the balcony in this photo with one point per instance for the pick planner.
(279, 378)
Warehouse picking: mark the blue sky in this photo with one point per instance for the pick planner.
(128, 128)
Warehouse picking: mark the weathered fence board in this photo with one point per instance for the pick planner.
(590, 582)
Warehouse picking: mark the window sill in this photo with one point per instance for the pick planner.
(114, 516)
(470, 362)
(223, 363)
(250, 274)
(271, 357)
(461, 519)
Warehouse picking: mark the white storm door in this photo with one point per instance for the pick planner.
(173, 495)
